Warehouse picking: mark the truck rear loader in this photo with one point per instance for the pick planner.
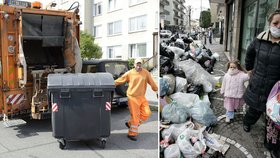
(34, 43)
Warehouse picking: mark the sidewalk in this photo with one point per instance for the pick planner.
(242, 144)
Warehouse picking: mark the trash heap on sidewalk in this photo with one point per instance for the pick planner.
(186, 116)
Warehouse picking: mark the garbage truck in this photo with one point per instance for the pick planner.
(34, 43)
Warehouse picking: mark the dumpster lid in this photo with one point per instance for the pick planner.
(81, 80)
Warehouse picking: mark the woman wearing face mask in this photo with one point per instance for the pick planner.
(233, 88)
(262, 60)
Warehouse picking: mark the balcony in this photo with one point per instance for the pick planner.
(164, 2)
(165, 12)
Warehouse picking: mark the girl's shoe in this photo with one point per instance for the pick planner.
(227, 120)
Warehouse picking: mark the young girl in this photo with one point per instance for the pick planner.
(233, 88)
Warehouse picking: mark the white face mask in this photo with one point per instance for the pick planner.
(275, 32)
(232, 71)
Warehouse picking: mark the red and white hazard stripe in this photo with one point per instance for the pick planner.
(14, 99)
(54, 107)
(108, 106)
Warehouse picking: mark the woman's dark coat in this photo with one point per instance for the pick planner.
(263, 58)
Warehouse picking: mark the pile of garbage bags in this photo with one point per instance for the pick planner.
(186, 115)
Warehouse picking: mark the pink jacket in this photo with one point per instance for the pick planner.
(233, 85)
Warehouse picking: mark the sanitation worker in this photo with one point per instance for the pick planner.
(138, 105)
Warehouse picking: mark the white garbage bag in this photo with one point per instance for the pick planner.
(170, 78)
(197, 74)
(181, 84)
(185, 99)
(202, 113)
(174, 112)
(191, 142)
(172, 151)
(175, 130)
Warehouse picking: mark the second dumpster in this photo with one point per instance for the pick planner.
(81, 106)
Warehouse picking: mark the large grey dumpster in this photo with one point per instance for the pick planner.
(81, 106)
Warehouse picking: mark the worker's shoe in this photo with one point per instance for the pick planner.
(134, 138)
(127, 125)
(246, 128)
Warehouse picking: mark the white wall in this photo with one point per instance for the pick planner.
(85, 11)
(149, 8)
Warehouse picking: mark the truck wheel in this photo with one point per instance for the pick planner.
(62, 144)
(103, 142)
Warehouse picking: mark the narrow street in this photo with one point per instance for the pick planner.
(242, 144)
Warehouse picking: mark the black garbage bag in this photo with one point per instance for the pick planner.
(179, 73)
(187, 40)
(166, 65)
(195, 89)
(180, 45)
(207, 63)
(217, 154)
(209, 52)
(204, 61)
(173, 38)
(164, 51)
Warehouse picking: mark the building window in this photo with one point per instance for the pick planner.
(97, 31)
(156, 21)
(114, 5)
(138, 23)
(134, 2)
(137, 50)
(115, 28)
(97, 9)
(114, 52)
(255, 21)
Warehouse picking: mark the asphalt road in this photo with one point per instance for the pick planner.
(35, 140)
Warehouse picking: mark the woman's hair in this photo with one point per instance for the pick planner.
(277, 11)
(237, 63)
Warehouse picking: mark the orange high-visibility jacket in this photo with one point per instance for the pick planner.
(137, 82)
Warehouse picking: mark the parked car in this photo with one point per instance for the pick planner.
(165, 33)
(117, 68)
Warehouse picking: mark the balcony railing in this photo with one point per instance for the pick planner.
(164, 2)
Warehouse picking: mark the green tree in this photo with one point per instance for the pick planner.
(88, 48)
(131, 63)
(205, 19)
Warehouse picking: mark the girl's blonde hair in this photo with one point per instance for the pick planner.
(237, 63)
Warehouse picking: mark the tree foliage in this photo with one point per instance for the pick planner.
(131, 63)
(88, 48)
(205, 19)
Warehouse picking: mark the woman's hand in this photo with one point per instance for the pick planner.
(250, 73)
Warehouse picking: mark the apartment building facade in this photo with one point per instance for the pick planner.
(85, 11)
(124, 29)
(173, 15)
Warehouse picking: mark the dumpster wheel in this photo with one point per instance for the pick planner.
(62, 143)
(103, 143)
